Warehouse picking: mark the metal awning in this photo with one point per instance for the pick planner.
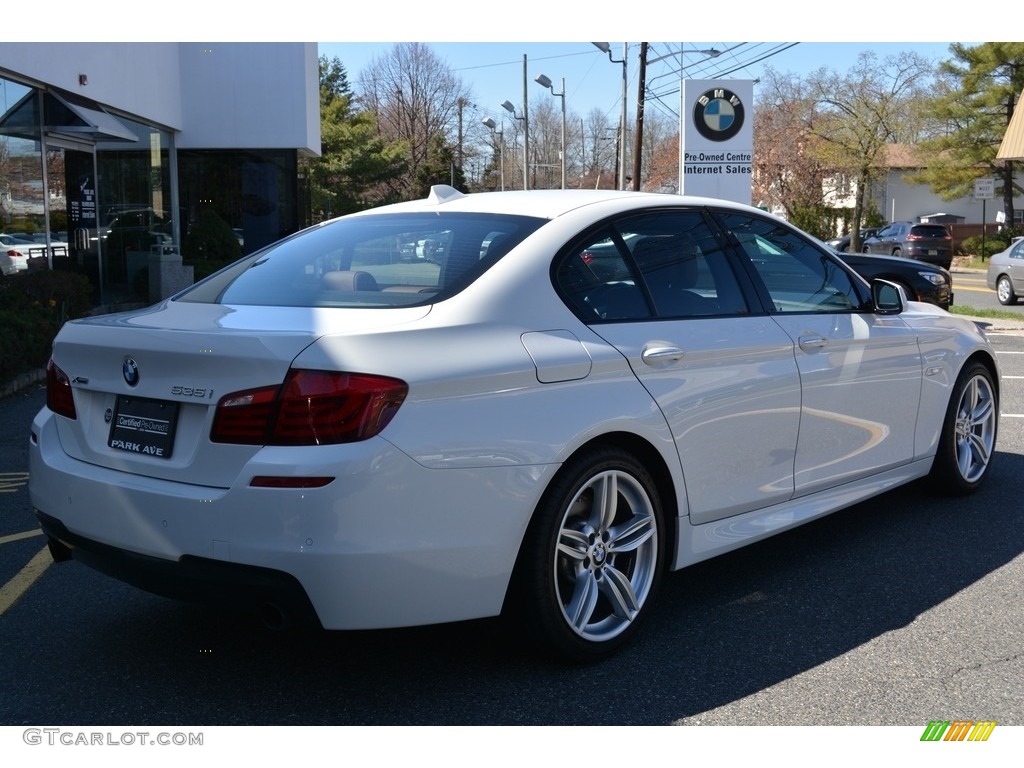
(62, 114)
(1012, 146)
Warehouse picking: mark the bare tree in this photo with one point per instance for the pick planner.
(859, 113)
(599, 155)
(660, 153)
(789, 176)
(545, 145)
(416, 98)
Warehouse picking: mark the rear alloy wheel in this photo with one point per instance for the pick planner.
(897, 252)
(1004, 291)
(592, 558)
(968, 436)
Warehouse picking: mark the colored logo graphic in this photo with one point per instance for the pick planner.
(958, 730)
(718, 114)
(130, 371)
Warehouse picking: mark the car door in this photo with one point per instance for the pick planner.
(860, 372)
(885, 239)
(661, 290)
(1015, 267)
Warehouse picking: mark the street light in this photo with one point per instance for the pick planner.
(545, 81)
(499, 136)
(606, 48)
(526, 141)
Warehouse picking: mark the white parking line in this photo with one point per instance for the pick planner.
(12, 591)
(12, 481)
(20, 536)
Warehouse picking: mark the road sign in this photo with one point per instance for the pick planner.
(984, 189)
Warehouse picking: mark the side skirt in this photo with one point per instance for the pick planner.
(701, 542)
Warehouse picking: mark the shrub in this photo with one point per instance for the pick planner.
(211, 240)
(971, 246)
(33, 307)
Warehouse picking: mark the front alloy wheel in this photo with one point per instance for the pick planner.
(592, 559)
(969, 433)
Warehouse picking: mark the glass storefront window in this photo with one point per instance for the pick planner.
(103, 201)
(135, 216)
(22, 208)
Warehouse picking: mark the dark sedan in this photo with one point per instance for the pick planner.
(921, 281)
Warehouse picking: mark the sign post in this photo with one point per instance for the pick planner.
(984, 189)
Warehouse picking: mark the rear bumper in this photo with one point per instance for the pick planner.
(277, 597)
(942, 258)
(388, 543)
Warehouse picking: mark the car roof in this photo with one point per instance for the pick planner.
(545, 203)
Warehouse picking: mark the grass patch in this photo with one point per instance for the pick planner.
(996, 314)
(971, 262)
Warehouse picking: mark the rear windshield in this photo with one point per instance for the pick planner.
(929, 230)
(385, 260)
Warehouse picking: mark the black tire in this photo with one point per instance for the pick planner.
(592, 558)
(968, 439)
(897, 252)
(1004, 291)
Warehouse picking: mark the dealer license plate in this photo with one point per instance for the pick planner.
(145, 426)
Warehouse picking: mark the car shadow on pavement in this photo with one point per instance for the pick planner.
(721, 631)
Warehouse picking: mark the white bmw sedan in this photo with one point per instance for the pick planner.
(577, 392)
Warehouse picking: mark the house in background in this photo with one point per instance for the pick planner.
(117, 151)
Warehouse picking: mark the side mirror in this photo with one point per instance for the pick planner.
(889, 298)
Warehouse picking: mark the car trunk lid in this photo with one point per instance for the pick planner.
(146, 384)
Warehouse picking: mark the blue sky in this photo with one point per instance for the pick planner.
(494, 70)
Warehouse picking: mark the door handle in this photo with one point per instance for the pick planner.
(808, 343)
(654, 355)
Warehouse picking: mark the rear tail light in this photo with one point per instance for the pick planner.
(310, 408)
(59, 396)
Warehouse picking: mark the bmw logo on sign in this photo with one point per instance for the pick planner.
(130, 369)
(718, 114)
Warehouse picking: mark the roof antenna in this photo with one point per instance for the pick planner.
(442, 193)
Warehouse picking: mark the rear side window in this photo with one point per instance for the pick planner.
(384, 260)
(665, 265)
(929, 230)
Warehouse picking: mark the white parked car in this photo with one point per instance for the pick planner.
(14, 254)
(630, 384)
(17, 252)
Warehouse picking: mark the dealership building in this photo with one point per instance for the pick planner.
(119, 156)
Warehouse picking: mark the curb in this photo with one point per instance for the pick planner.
(22, 381)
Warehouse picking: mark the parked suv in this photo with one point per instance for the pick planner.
(924, 242)
(843, 243)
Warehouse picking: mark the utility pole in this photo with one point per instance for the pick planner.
(641, 87)
(526, 131)
(461, 104)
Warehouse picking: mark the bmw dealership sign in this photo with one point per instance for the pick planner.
(717, 151)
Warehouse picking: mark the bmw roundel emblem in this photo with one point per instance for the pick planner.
(130, 369)
(718, 114)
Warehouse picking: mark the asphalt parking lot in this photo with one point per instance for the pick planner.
(899, 611)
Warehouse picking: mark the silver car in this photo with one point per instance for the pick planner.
(1006, 272)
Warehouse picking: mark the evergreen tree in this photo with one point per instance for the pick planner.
(355, 160)
(985, 82)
